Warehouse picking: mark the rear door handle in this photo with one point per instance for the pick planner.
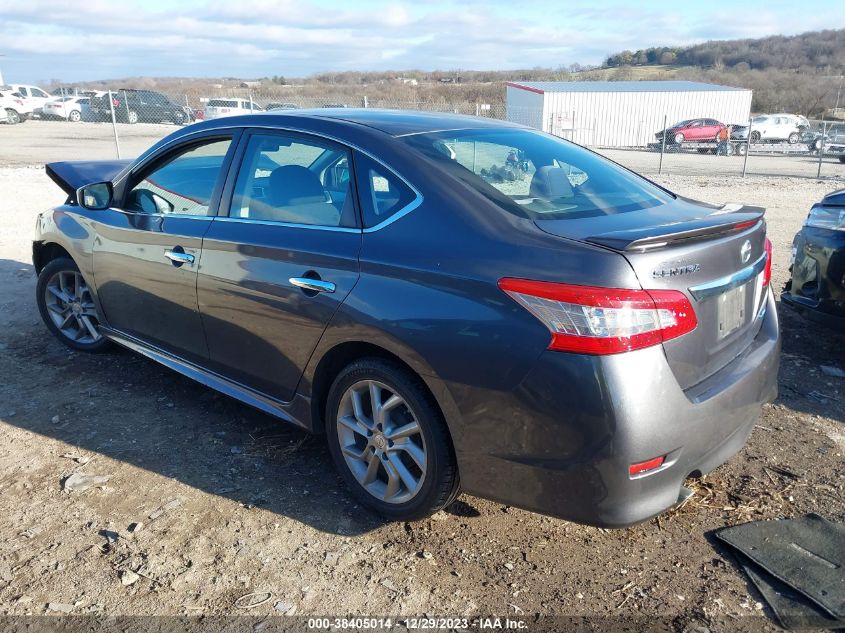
(314, 285)
(179, 257)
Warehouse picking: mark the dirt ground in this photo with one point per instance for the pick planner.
(233, 502)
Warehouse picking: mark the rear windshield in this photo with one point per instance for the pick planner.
(536, 175)
(222, 103)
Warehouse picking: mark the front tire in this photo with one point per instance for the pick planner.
(12, 116)
(679, 138)
(67, 307)
(389, 442)
(755, 137)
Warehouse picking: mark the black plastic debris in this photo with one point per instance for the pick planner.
(798, 565)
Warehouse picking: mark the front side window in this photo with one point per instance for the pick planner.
(184, 184)
(538, 176)
(295, 181)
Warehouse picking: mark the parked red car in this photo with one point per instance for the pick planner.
(692, 130)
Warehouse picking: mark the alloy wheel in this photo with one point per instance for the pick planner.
(381, 441)
(71, 307)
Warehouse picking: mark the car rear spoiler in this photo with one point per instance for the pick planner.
(71, 175)
(722, 222)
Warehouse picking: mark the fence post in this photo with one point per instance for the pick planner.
(114, 124)
(126, 103)
(747, 147)
(477, 109)
(573, 127)
(366, 103)
(821, 149)
(663, 144)
(250, 101)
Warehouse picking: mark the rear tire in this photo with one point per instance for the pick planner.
(842, 159)
(755, 137)
(132, 117)
(67, 307)
(793, 138)
(396, 458)
(12, 116)
(75, 116)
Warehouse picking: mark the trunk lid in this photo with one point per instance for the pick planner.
(714, 255)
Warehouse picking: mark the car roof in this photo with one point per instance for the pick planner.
(393, 122)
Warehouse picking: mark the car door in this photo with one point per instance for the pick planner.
(279, 259)
(693, 131)
(711, 129)
(148, 247)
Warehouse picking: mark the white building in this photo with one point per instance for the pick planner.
(621, 113)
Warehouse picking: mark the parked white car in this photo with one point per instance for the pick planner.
(13, 107)
(34, 96)
(67, 108)
(217, 108)
(777, 127)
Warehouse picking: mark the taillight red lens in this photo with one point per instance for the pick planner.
(115, 102)
(593, 320)
(767, 271)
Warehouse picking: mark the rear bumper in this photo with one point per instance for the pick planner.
(563, 442)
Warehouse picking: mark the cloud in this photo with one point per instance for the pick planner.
(101, 39)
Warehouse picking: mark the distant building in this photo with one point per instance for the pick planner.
(250, 84)
(621, 113)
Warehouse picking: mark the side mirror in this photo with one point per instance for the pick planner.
(96, 197)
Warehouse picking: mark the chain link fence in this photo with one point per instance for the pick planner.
(815, 148)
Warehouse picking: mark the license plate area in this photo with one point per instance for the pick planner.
(732, 310)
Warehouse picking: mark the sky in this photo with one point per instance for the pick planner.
(42, 40)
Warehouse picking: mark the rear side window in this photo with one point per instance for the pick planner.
(294, 180)
(383, 194)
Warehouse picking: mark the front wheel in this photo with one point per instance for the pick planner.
(389, 442)
(67, 307)
(12, 116)
(679, 138)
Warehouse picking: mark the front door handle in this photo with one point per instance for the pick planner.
(314, 285)
(178, 257)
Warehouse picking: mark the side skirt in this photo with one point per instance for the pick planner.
(296, 412)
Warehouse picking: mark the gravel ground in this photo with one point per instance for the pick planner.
(233, 502)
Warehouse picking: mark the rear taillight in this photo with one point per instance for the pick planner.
(593, 320)
(115, 102)
(767, 271)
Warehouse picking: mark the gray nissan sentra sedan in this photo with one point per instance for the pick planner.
(457, 303)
